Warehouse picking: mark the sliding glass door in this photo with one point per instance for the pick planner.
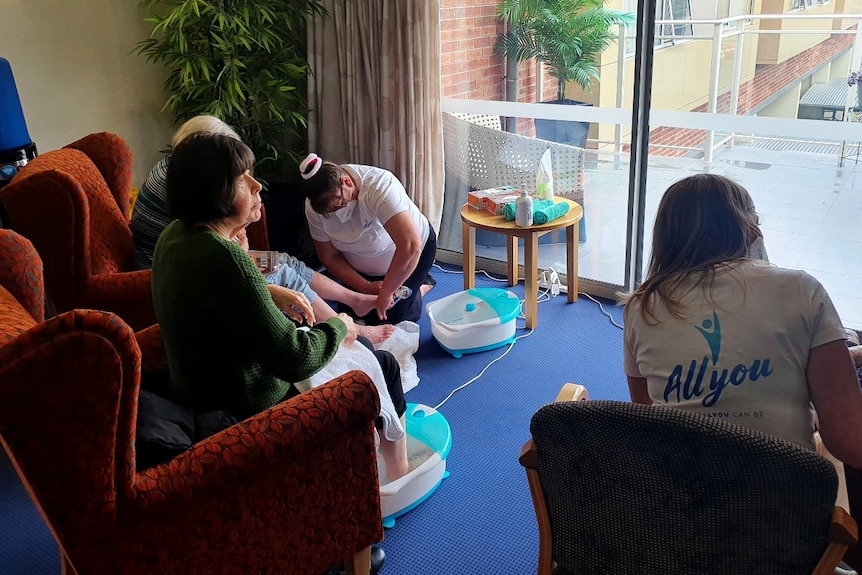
(756, 90)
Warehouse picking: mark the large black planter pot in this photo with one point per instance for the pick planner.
(286, 225)
(569, 132)
(564, 131)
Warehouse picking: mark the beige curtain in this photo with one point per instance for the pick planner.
(374, 95)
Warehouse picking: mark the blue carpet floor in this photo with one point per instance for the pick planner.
(26, 545)
(480, 520)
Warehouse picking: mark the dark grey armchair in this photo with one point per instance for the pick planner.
(627, 488)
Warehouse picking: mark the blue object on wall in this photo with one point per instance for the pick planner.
(13, 128)
(16, 148)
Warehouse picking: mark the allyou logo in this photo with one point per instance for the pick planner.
(711, 332)
(705, 382)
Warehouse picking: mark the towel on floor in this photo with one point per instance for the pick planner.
(550, 213)
(403, 343)
(357, 356)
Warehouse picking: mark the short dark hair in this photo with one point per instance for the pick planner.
(202, 175)
(320, 188)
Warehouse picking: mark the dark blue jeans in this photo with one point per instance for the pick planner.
(409, 309)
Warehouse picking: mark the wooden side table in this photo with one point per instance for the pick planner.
(471, 219)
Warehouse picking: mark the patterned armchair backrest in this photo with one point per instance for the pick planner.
(113, 157)
(16, 318)
(83, 228)
(68, 394)
(21, 274)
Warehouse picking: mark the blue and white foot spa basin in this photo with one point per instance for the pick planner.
(473, 320)
(429, 440)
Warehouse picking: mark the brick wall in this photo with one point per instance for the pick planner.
(469, 67)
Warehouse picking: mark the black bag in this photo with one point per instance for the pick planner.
(166, 429)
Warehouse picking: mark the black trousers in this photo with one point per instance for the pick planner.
(409, 309)
(392, 377)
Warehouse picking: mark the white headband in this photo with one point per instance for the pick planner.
(310, 166)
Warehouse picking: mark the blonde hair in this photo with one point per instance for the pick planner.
(203, 124)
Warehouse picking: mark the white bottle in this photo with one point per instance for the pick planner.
(470, 312)
(403, 292)
(524, 210)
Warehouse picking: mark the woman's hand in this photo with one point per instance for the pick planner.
(242, 239)
(351, 327)
(293, 303)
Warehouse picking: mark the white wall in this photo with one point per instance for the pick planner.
(76, 74)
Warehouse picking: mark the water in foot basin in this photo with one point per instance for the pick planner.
(417, 454)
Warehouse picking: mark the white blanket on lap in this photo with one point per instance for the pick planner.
(357, 356)
(403, 343)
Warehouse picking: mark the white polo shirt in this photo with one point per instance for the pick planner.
(362, 239)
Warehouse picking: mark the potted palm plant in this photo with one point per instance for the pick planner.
(243, 61)
(568, 38)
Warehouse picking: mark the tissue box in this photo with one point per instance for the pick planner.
(494, 204)
(478, 199)
(266, 261)
(492, 200)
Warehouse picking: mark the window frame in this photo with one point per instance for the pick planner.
(676, 31)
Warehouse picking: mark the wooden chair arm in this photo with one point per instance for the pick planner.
(572, 392)
(528, 457)
(842, 535)
(844, 530)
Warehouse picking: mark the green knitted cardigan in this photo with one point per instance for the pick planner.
(228, 346)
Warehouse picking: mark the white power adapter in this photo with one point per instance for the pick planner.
(554, 280)
(549, 279)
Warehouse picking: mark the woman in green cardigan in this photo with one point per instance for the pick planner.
(228, 343)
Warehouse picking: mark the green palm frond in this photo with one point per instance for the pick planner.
(242, 61)
(568, 36)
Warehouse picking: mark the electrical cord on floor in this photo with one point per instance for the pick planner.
(483, 272)
(601, 308)
(484, 369)
(543, 295)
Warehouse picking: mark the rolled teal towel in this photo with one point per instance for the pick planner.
(550, 213)
(509, 209)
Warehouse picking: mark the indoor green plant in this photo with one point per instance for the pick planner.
(242, 61)
(566, 36)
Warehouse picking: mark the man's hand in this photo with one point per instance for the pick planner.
(384, 302)
(293, 303)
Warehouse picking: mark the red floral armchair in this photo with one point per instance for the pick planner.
(292, 490)
(72, 203)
